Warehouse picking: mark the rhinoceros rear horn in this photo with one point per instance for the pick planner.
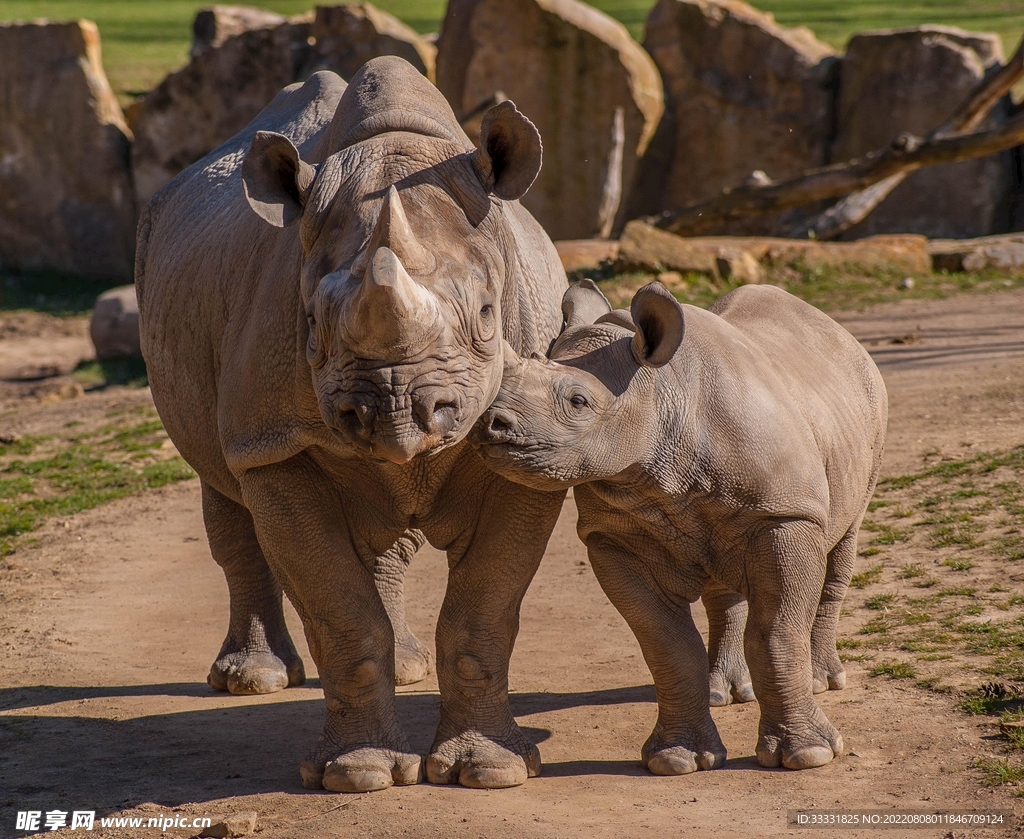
(275, 179)
(659, 325)
(510, 152)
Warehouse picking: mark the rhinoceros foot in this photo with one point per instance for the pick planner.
(730, 681)
(684, 751)
(365, 769)
(413, 660)
(248, 673)
(827, 670)
(484, 762)
(799, 746)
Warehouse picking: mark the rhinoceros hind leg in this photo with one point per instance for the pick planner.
(786, 572)
(729, 678)
(827, 670)
(258, 655)
(413, 659)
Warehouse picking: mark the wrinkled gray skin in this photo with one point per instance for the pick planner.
(323, 305)
(731, 451)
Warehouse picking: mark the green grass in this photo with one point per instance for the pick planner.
(145, 39)
(894, 670)
(43, 477)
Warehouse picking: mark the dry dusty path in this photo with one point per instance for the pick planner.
(110, 622)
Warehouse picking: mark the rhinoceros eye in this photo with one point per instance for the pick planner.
(578, 401)
(486, 311)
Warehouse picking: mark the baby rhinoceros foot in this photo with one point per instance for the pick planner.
(827, 671)
(730, 682)
(413, 661)
(248, 673)
(799, 746)
(362, 769)
(684, 751)
(483, 762)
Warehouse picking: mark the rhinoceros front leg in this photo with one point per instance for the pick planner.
(478, 743)
(785, 572)
(413, 659)
(300, 520)
(258, 655)
(727, 618)
(685, 738)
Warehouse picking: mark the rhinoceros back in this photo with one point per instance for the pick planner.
(205, 257)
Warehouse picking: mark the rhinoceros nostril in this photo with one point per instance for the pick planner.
(355, 415)
(500, 423)
(437, 413)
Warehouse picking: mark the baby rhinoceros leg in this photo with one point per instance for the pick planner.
(785, 570)
(258, 655)
(828, 670)
(413, 659)
(685, 738)
(727, 617)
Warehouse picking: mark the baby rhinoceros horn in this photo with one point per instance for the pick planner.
(391, 315)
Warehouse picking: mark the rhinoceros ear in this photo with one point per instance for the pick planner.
(510, 152)
(275, 179)
(582, 304)
(659, 325)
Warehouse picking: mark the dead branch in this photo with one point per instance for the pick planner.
(864, 182)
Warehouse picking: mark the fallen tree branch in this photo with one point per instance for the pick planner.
(864, 182)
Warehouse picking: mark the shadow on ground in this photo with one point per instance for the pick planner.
(86, 762)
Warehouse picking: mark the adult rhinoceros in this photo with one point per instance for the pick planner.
(323, 301)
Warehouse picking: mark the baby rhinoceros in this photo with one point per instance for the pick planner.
(732, 448)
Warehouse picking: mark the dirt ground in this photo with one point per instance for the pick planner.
(108, 625)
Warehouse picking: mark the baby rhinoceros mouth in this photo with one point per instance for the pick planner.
(399, 427)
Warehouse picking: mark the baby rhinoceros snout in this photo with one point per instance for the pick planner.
(436, 410)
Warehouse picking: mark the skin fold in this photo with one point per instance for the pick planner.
(728, 453)
(325, 304)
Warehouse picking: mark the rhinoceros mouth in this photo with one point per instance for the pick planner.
(401, 437)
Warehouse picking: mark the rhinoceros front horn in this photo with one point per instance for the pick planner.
(391, 316)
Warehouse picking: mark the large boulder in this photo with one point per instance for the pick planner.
(742, 94)
(591, 90)
(913, 80)
(236, 71)
(344, 38)
(114, 326)
(66, 201)
(213, 26)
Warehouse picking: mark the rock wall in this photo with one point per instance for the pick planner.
(66, 198)
(593, 93)
(912, 80)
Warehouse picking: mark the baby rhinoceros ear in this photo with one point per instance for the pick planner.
(582, 304)
(510, 153)
(659, 325)
(275, 179)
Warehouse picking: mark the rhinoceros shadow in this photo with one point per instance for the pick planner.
(64, 752)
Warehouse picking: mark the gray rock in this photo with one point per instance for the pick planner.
(114, 327)
(591, 90)
(742, 94)
(235, 72)
(66, 201)
(913, 80)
